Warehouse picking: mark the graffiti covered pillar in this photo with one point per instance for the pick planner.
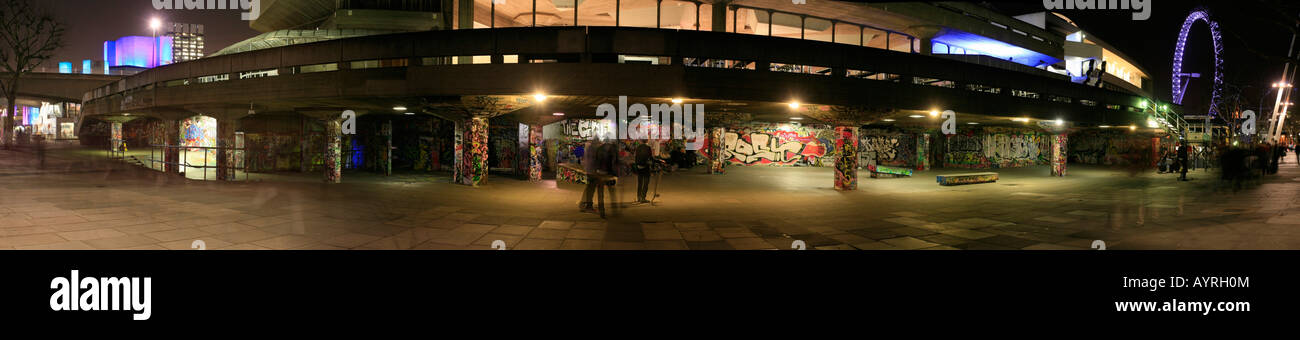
(846, 164)
(1059, 154)
(115, 141)
(717, 162)
(333, 150)
(535, 149)
(171, 138)
(471, 151)
(1155, 152)
(226, 143)
(923, 152)
(387, 131)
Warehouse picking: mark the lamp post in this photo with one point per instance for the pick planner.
(154, 24)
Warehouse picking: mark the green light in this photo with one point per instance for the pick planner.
(1142, 104)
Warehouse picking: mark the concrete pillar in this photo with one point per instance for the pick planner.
(171, 138)
(846, 164)
(719, 15)
(115, 141)
(925, 34)
(333, 150)
(1058, 154)
(471, 151)
(387, 158)
(923, 152)
(535, 150)
(717, 162)
(226, 144)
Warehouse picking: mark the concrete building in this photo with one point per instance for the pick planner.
(512, 88)
(187, 41)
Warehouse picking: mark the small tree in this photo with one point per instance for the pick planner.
(28, 37)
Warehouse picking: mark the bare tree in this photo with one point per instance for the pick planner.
(28, 37)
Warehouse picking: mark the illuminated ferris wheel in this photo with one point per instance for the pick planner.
(1181, 78)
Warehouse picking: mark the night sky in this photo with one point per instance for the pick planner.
(91, 22)
(1247, 24)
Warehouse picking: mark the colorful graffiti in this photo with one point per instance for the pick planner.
(878, 171)
(116, 137)
(570, 173)
(717, 162)
(534, 153)
(923, 152)
(333, 151)
(960, 179)
(472, 167)
(776, 144)
(199, 131)
(1059, 154)
(1111, 148)
(846, 164)
(893, 149)
(997, 149)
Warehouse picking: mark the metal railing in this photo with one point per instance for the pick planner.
(183, 164)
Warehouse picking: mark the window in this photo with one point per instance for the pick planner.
(934, 82)
(1086, 102)
(1112, 107)
(177, 82)
(652, 60)
(379, 63)
(318, 68)
(1024, 94)
(259, 74)
(718, 63)
(214, 78)
(1059, 99)
(983, 88)
(870, 75)
(805, 69)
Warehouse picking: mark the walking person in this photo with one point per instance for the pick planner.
(594, 179)
(1182, 161)
(642, 167)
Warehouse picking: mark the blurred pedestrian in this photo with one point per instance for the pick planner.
(1182, 160)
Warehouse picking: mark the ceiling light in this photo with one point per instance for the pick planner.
(796, 118)
(793, 105)
(1059, 122)
(972, 123)
(539, 97)
(1104, 126)
(888, 119)
(557, 114)
(410, 113)
(916, 116)
(399, 108)
(1020, 119)
(677, 100)
(934, 113)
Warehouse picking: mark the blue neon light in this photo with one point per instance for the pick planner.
(65, 67)
(87, 66)
(138, 51)
(977, 44)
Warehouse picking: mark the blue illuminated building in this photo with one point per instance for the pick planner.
(138, 51)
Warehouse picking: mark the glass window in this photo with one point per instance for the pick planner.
(678, 14)
(786, 25)
(875, 38)
(596, 13)
(848, 33)
(902, 43)
(637, 13)
(753, 21)
(706, 17)
(817, 29)
(318, 68)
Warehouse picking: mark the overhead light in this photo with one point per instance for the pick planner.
(1059, 122)
(557, 113)
(972, 123)
(410, 113)
(1152, 124)
(1132, 127)
(1104, 126)
(887, 119)
(399, 108)
(539, 97)
(1020, 119)
(916, 116)
(934, 113)
(796, 118)
(677, 100)
(793, 105)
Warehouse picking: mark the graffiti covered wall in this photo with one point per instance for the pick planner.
(1110, 147)
(779, 145)
(997, 148)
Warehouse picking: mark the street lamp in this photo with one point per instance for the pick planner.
(154, 24)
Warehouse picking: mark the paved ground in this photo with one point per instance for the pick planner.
(80, 201)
